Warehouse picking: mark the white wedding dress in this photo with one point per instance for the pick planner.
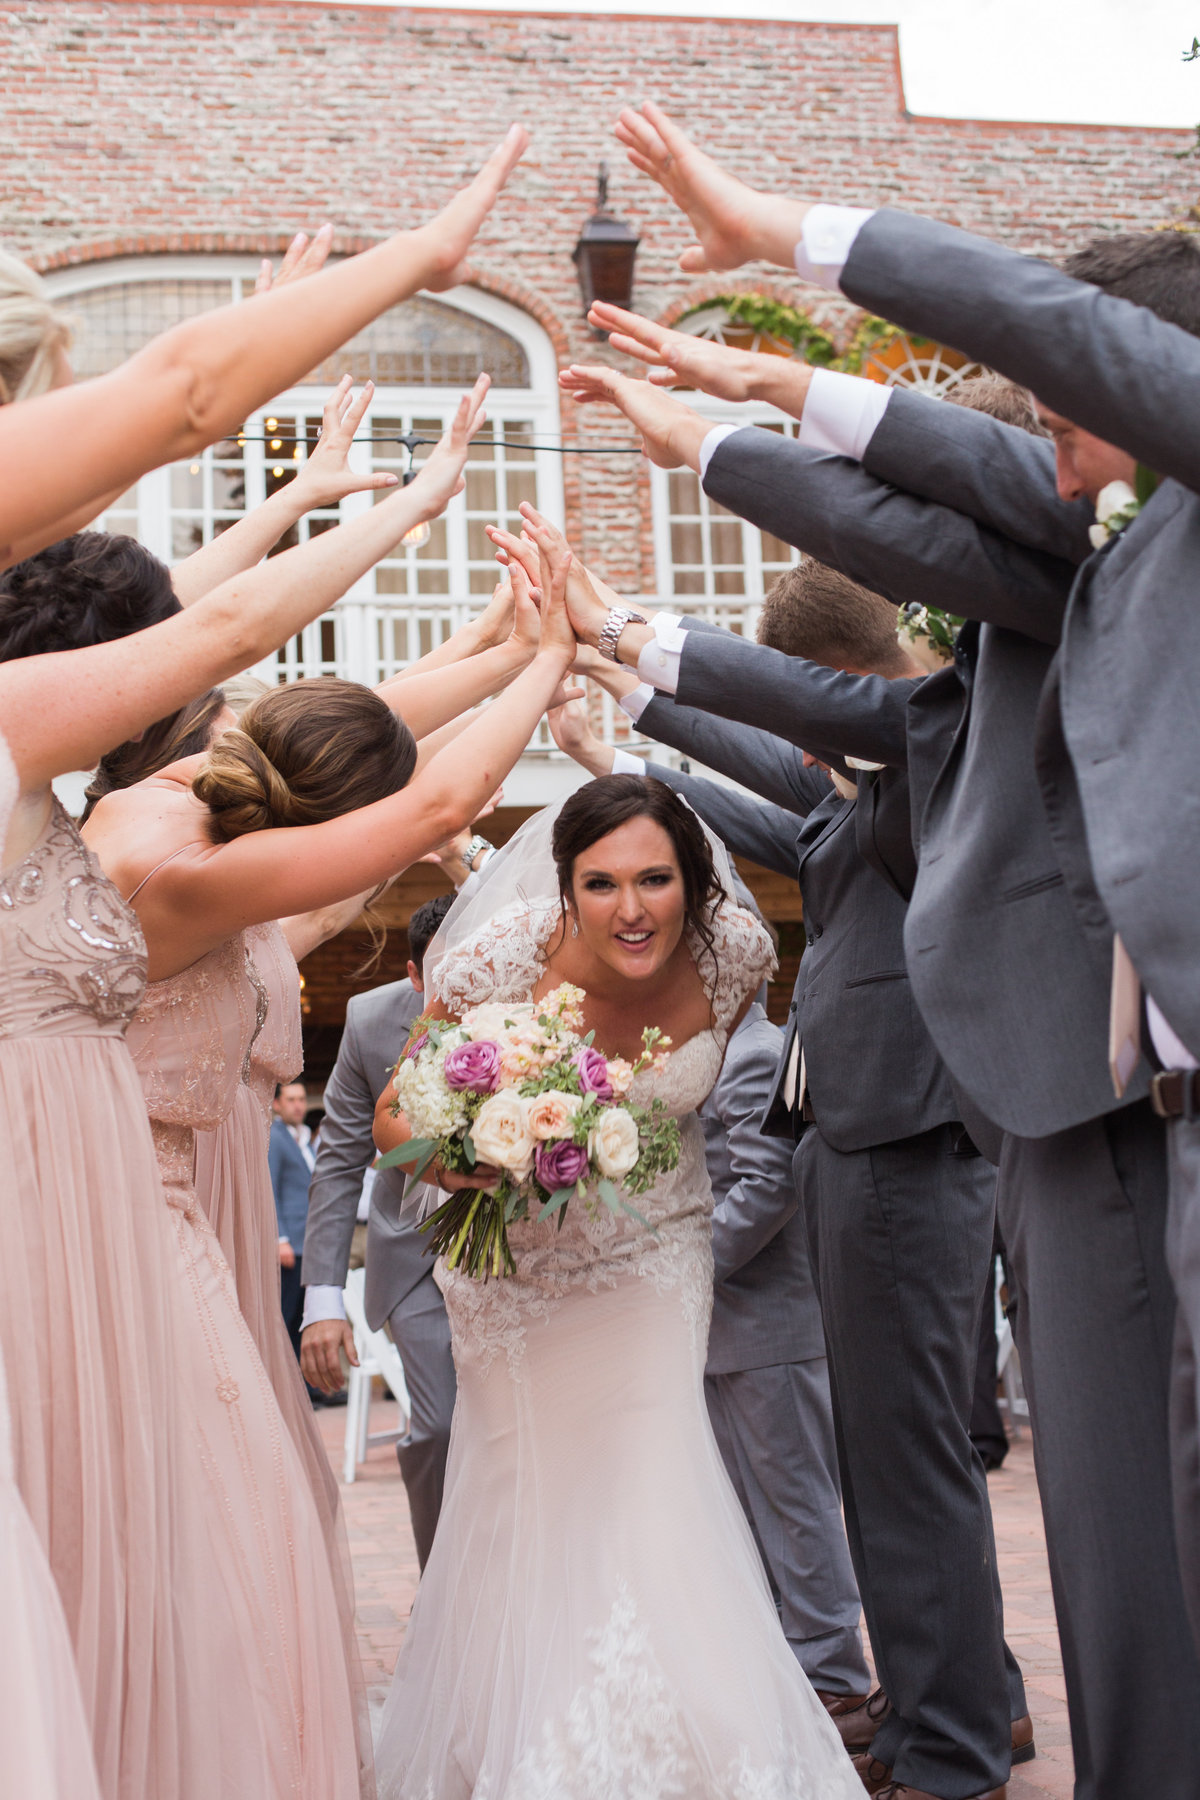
(593, 1622)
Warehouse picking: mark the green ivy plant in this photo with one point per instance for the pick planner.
(775, 319)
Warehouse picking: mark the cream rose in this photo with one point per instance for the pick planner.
(491, 1020)
(551, 1115)
(613, 1142)
(501, 1134)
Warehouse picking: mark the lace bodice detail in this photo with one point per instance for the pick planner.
(192, 1039)
(592, 1246)
(72, 954)
(277, 1052)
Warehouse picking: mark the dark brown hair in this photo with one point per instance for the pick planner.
(183, 733)
(303, 754)
(816, 612)
(86, 589)
(1156, 269)
(611, 801)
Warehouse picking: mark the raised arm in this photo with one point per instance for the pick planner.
(118, 688)
(745, 753)
(199, 381)
(323, 479)
(896, 543)
(752, 828)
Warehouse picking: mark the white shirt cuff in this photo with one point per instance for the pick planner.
(826, 240)
(658, 664)
(841, 413)
(716, 436)
(635, 702)
(623, 762)
(322, 1303)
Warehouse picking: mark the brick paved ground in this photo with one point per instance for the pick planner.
(385, 1567)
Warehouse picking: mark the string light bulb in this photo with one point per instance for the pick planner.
(277, 471)
(420, 534)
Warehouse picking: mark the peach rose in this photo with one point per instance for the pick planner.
(552, 1114)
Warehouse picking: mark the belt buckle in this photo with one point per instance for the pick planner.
(1166, 1093)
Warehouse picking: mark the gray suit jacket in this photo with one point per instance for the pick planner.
(1119, 723)
(1009, 965)
(397, 1255)
(765, 1307)
(873, 1073)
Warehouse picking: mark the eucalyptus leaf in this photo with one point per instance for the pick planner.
(556, 1202)
(608, 1193)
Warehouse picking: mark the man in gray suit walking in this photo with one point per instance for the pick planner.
(399, 1288)
(767, 1380)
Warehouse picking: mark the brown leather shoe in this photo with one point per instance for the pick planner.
(1023, 1747)
(874, 1775)
(857, 1716)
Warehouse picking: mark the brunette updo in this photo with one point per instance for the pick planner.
(604, 805)
(181, 734)
(87, 589)
(303, 754)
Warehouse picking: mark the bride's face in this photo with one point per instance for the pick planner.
(628, 898)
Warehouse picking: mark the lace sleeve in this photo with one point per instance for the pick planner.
(501, 961)
(745, 959)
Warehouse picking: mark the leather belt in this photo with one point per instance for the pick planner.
(1175, 1094)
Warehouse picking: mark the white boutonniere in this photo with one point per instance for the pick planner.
(928, 634)
(1118, 505)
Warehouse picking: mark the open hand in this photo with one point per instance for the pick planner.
(571, 730)
(452, 232)
(733, 223)
(441, 474)
(304, 256)
(671, 432)
(327, 477)
(677, 356)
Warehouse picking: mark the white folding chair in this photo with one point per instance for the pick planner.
(377, 1355)
(1007, 1361)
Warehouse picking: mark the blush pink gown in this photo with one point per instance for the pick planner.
(233, 1184)
(100, 1445)
(191, 1040)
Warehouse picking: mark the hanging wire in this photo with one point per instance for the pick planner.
(411, 443)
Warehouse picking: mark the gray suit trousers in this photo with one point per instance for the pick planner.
(1083, 1216)
(901, 1242)
(775, 1433)
(421, 1332)
(1183, 1260)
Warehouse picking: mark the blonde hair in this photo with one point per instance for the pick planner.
(33, 332)
(243, 690)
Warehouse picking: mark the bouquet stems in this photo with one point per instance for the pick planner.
(469, 1231)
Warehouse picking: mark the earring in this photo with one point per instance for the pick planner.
(574, 927)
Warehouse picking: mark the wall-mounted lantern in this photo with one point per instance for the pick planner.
(605, 254)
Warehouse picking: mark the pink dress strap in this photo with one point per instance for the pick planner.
(154, 871)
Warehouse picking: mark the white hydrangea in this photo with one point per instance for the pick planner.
(432, 1109)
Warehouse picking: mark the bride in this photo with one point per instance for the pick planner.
(593, 1622)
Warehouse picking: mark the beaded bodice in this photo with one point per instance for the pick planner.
(72, 954)
(277, 1053)
(192, 1040)
(592, 1246)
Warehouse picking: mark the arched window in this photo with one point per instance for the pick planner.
(421, 355)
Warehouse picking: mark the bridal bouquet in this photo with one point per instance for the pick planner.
(518, 1087)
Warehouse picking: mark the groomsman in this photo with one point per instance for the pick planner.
(898, 1204)
(767, 1379)
(1085, 1180)
(400, 1289)
(291, 1162)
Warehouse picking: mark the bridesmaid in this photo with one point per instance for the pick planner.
(93, 1309)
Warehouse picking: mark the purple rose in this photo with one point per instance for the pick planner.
(475, 1066)
(560, 1163)
(593, 1074)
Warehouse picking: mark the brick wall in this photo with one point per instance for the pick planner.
(187, 126)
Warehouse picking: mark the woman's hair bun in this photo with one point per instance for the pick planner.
(87, 589)
(302, 754)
